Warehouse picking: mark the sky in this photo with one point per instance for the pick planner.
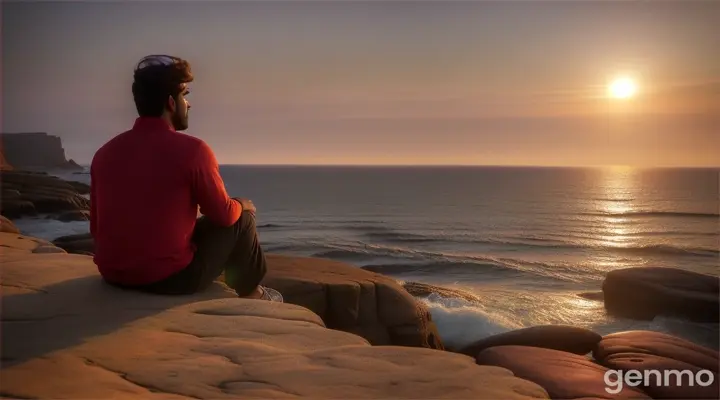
(381, 82)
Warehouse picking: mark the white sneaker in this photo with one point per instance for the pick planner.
(271, 294)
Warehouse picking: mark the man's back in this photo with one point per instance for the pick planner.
(146, 186)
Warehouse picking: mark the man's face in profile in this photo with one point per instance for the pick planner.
(182, 107)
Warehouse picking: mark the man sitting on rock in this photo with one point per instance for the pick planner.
(146, 187)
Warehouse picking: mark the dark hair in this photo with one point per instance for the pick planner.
(156, 78)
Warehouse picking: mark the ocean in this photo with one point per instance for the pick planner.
(526, 241)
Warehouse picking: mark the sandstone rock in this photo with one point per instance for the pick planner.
(38, 193)
(644, 293)
(48, 249)
(655, 351)
(354, 300)
(81, 243)
(347, 298)
(563, 375)
(67, 335)
(558, 337)
(7, 226)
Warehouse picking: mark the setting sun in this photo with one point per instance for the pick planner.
(622, 88)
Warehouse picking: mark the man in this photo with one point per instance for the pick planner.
(146, 187)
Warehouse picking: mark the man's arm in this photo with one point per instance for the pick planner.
(209, 189)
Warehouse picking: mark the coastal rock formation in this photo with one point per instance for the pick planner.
(34, 150)
(81, 243)
(7, 226)
(65, 334)
(643, 293)
(557, 337)
(563, 375)
(345, 297)
(30, 193)
(348, 298)
(655, 351)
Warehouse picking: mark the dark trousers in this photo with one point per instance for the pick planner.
(234, 250)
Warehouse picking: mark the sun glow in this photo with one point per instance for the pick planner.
(622, 88)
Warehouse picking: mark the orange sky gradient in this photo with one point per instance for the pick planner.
(471, 83)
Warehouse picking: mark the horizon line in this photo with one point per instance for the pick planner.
(472, 166)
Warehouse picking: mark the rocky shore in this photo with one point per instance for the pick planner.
(344, 332)
(26, 193)
(66, 334)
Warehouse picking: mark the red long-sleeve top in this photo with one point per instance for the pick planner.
(146, 186)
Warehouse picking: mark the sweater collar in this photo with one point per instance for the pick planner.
(152, 123)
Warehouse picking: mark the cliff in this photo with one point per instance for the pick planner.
(34, 150)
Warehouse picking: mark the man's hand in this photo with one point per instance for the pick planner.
(247, 205)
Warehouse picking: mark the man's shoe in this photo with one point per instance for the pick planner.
(271, 294)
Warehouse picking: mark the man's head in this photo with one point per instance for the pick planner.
(159, 89)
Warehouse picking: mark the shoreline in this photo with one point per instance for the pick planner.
(299, 347)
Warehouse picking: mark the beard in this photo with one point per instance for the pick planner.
(180, 120)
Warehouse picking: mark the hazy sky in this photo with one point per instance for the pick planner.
(392, 82)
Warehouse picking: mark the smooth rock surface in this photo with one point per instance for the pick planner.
(557, 337)
(66, 335)
(7, 226)
(347, 298)
(354, 300)
(646, 292)
(81, 243)
(563, 375)
(655, 351)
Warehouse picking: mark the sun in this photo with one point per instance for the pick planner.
(622, 88)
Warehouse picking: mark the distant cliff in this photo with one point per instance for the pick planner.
(34, 150)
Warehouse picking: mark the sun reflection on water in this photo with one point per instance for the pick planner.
(615, 230)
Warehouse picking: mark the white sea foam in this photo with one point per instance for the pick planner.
(460, 322)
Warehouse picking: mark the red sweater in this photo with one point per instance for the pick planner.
(146, 186)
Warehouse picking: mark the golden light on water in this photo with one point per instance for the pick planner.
(619, 187)
(622, 88)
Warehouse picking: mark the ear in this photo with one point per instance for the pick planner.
(171, 105)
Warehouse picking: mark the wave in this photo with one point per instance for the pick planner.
(654, 214)
(437, 266)
(270, 226)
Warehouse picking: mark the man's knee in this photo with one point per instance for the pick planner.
(247, 221)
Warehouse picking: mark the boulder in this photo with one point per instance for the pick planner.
(563, 375)
(65, 334)
(7, 226)
(648, 351)
(29, 193)
(557, 337)
(347, 298)
(644, 293)
(351, 299)
(82, 243)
